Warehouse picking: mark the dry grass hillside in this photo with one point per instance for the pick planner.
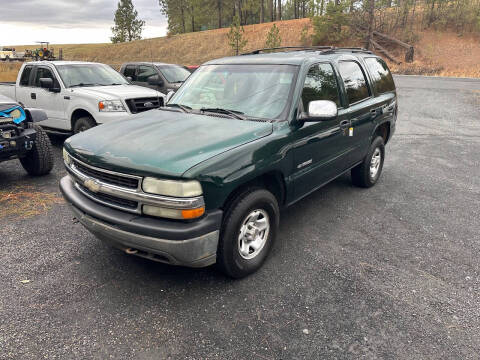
(437, 53)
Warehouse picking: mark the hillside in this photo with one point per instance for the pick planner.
(437, 53)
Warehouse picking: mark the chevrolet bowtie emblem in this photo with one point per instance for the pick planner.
(92, 185)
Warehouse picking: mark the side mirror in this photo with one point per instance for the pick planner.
(46, 83)
(169, 96)
(155, 80)
(321, 110)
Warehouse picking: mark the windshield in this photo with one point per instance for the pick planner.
(174, 73)
(254, 90)
(89, 75)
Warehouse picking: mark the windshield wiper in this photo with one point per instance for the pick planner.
(232, 113)
(184, 108)
(83, 84)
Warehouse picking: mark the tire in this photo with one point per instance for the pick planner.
(253, 203)
(39, 160)
(362, 175)
(83, 124)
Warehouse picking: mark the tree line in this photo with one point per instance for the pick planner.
(332, 20)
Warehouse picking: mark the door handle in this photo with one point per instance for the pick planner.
(373, 111)
(33, 96)
(345, 124)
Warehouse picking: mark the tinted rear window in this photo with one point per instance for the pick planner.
(26, 75)
(382, 78)
(354, 80)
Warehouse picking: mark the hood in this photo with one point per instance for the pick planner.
(118, 92)
(162, 143)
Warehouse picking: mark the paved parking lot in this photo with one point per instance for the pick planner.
(390, 272)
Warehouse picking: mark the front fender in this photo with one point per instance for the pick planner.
(35, 115)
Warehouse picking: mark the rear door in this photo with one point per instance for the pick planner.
(384, 88)
(25, 87)
(362, 107)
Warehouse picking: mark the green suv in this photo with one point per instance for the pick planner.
(202, 180)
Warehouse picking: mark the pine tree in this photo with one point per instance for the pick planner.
(127, 25)
(236, 38)
(273, 38)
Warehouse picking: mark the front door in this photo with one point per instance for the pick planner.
(51, 102)
(318, 146)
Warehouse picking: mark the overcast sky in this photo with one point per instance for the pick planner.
(70, 21)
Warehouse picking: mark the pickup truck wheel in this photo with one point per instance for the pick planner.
(83, 124)
(39, 160)
(368, 172)
(248, 233)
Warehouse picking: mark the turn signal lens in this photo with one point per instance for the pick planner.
(193, 213)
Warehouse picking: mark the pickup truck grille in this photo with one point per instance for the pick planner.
(144, 104)
(107, 177)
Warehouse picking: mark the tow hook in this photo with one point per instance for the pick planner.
(131, 251)
(28, 145)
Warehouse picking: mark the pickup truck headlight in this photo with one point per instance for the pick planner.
(111, 105)
(174, 188)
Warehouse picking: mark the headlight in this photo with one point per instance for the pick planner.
(111, 105)
(172, 187)
(66, 157)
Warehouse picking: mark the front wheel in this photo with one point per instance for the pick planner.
(248, 233)
(39, 160)
(368, 172)
(83, 124)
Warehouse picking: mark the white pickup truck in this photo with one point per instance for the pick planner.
(79, 95)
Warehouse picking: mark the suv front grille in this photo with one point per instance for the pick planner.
(144, 104)
(109, 199)
(112, 179)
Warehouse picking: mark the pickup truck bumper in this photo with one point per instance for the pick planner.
(192, 244)
(18, 145)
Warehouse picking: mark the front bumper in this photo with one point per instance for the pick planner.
(192, 244)
(23, 141)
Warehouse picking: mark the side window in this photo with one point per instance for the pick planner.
(43, 73)
(320, 84)
(144, 72)
(354, 80)
(26, 75)
(130, 72)
(382, 78)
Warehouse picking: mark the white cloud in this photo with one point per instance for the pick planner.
(70, 21)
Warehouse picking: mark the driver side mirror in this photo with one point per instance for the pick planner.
(321, 110)
(47, 83)
(155, 81)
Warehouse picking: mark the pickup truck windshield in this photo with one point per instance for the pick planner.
(174, 73)
(89, 75)
(259, 91)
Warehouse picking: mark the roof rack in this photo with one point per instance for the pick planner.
(322, 49)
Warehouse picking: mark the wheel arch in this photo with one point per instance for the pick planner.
(79, 113)
(382, 130)
(273, 181)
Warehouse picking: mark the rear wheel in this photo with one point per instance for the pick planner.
(83, 124)
(39, 160)
(248, 232)
(368, 172)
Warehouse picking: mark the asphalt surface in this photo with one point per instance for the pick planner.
(391, 272)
